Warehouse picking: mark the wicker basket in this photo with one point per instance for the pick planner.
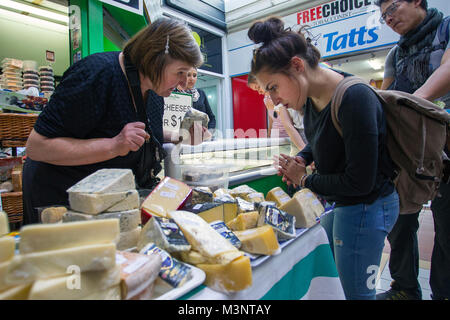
(15, 128)
(13, 206)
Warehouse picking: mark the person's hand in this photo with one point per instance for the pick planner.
(131, 138)
(290, 168)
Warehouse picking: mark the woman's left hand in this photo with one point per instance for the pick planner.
(291, 169)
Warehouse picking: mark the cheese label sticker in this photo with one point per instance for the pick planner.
(197, 206)
(167, 194)
(172, 186)
(279, 193)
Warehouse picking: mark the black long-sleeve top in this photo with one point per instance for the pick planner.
(356, 168)
(202, 105)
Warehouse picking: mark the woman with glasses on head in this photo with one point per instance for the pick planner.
(419, 64)
(351, 170)
(92, 120)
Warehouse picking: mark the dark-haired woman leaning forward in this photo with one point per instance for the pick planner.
(351, 171)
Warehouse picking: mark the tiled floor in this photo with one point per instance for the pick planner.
(426, 240)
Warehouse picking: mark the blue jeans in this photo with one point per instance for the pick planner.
(356, 234)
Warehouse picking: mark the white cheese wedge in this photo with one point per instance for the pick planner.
(105, 181)
(129, 203)
(29, 267)
(4, 266)
(137, 272)
(204, 239)
(44, 237)
(4, 223)
(129, 239)
(7, 248)
(93, 203)
(74, 286)
(128, 220)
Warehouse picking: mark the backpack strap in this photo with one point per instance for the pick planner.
(338, 94)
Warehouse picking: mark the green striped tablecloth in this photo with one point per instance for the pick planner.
(305, 269)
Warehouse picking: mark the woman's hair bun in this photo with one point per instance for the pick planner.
(267, 30)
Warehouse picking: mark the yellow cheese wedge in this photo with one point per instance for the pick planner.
(203, 238)
(25, 268)
(4, 223)
(169, 194)
(244, 221)
(7, 248)
(74, 286)
(44, 237)
(16, 293)
(192, 257)
(305, 207)
(129, 239)
(278, 195)
(254, 197)
(234, 276)
(262, 240)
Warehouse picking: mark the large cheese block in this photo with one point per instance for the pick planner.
(25, 268)
(164, 233)
(128, 220)
(204, 239)
(95, 203)
(231, 277)
(105, 181)
(113, 293)
(74, 286)
(175, 273)
(169, 194)
(16, 293)
(230, 207)
(7, 248)
(244, 221)
(261, 240)
(210, 212)
(277, 195)
(4, 223)
(137, 272)
(305, 207)
(44, 237)
(129, 239)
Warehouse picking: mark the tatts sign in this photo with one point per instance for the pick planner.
(345, 26)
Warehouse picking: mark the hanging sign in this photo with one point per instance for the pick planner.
(135, 6)
(175, 107)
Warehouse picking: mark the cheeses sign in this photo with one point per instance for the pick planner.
(175, 107)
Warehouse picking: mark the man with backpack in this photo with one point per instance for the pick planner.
(419, 64)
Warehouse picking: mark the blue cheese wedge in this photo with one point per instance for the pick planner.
(93, 203)
(172, 271)
(226, 232)
(128, 220)
(164, 233)
(105, 181)
(281, 221)
(244, 206)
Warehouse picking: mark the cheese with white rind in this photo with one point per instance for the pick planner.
(128, 220)
(74, 286)
(7, 248)
(93, 203)
(44, 237)
(4, 223)
(52, 214)
(105, 181)
(175, 273)
(204, 239)
(137, 272)
(129, 239)
(29, 267)
(164, 233)
(305, 207)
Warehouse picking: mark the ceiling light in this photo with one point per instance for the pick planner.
(374, 64)
(34, 11)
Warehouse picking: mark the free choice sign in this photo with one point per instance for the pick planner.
(175, 107)
(345, 26)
